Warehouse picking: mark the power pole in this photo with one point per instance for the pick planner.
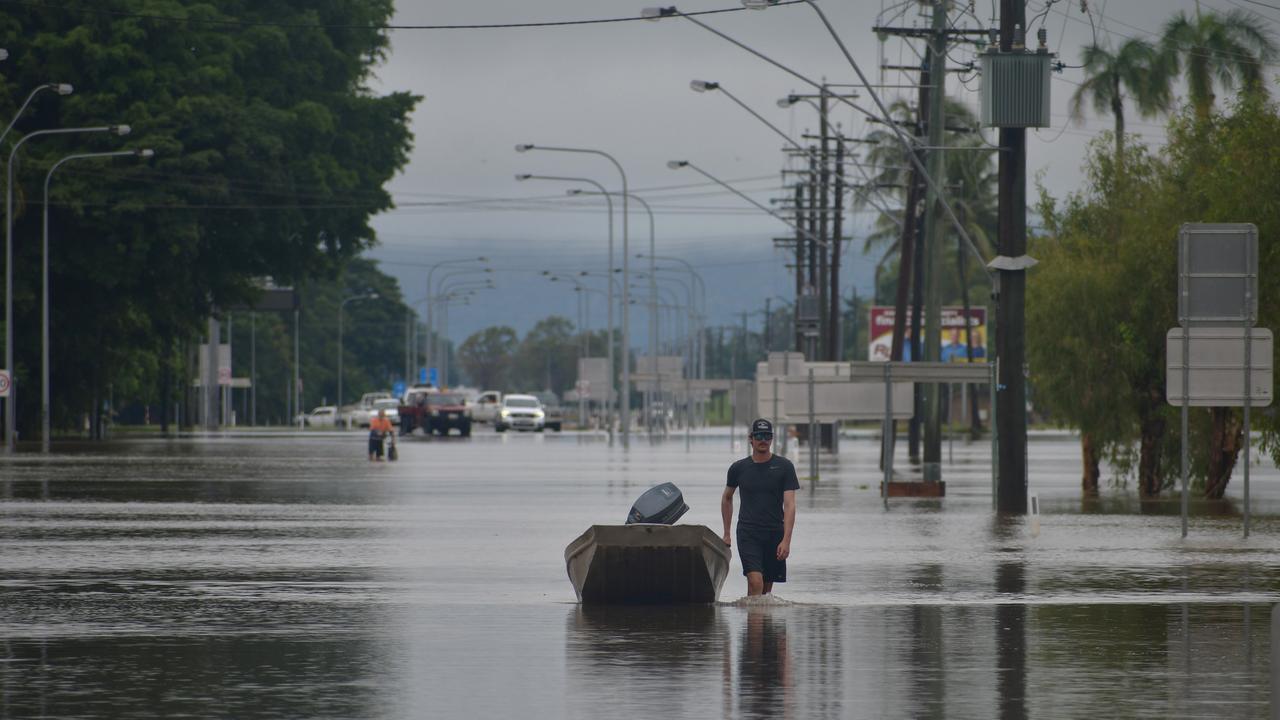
(768, 327)
(800, 240)
(824, 202)
(815, 210)
(1011, 402)
(837, 231)
(933, 239)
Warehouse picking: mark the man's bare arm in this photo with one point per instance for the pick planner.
(788, 523)
(726, 513)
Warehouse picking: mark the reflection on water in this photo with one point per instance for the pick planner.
(764, 667)
(1011, 642)
(289, 577)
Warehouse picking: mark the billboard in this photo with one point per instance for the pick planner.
(953, 341)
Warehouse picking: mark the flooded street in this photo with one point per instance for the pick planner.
(286, 576)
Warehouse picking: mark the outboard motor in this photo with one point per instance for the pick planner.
(659, 505)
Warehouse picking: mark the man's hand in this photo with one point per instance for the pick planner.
(727, 540)
(784, 549)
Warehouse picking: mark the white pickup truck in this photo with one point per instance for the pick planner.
(360, 415)
(486, 406)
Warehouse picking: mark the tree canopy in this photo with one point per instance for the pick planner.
(271, 156)
(1104, 294)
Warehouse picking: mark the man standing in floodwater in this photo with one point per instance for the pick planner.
(768, 510)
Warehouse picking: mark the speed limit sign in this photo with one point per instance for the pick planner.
(4, 383)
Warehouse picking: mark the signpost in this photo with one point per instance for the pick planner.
(1216, 340)
(831, 391)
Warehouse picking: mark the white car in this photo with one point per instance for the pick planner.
(323, 416)
(520, 412)
(392, 408)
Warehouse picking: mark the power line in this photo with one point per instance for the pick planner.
(340, 26)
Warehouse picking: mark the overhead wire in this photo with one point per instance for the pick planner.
(65, 7)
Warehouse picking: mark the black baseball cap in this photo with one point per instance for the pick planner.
(760, 425)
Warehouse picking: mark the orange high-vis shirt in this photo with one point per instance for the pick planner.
(380, 423)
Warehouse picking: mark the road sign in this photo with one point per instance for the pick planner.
(4, 383)
(595, 372)
(1217, 360)
(1217, 274)
(224, 364)
(832, 400)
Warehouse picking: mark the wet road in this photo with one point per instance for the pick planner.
(284, 576)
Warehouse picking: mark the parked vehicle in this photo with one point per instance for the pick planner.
(436, 412)
(551, 407)
(323, 416)
(447, 411)
(414, 393)
(486, 407)
(389, 405)
(520, 412)
(362, 412)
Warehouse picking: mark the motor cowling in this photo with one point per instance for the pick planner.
(659, 505)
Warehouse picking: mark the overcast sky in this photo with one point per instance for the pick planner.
(624, 88)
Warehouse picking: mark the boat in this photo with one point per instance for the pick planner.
(647, 563)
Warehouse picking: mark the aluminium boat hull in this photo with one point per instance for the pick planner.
(647, 564)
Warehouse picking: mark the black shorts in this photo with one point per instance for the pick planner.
(758, 551)
(375, 445)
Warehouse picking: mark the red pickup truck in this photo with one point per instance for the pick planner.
(435, 412)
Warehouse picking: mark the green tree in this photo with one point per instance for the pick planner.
(488, 355)
(1213, 48)
(1097, 309)
(1136, 69)
(271, 156)
(547, 357)
(1104, 295)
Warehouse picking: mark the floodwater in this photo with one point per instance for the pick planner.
(263, 576)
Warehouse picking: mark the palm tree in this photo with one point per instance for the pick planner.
(1226, 49)
(1137, 69)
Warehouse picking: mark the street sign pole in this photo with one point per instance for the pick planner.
(1212, 260)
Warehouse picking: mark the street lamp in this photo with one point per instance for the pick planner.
(696, 278)
(608, 198)
(653, 311)
(460, 292)
(431, 324)
(11, 404)
(430, 272)
(341, 305)
(45, 421)
(60, 88)
(626, 274)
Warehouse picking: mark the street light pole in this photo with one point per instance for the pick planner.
(653, 310)
(449, 293)
(61, 88)
(431, 325)
(45, 422)
(430, 272)
(341, 305)
(626, 278)
(608, 198)
(11, 415)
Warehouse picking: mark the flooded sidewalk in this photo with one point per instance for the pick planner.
(287, 576)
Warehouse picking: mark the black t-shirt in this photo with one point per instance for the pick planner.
(762, 485)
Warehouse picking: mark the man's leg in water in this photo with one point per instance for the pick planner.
(768, 587)
(756, 584)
